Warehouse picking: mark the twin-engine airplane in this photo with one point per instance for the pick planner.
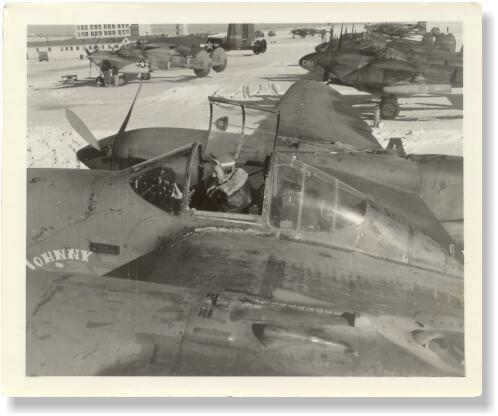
(342, 265)
(140, 58)
(397, 30)
(367, 62)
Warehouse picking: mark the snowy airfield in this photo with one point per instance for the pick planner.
(176, 98)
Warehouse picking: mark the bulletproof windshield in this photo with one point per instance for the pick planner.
(245, 132)
(304, 199)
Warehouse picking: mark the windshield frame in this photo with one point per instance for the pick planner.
(221, 100)
(270, 184)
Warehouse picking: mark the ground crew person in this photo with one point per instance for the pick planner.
(107, 78)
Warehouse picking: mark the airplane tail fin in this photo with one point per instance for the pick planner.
(124, 42)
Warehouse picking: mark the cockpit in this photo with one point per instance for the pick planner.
(161, 181)
(286, 195)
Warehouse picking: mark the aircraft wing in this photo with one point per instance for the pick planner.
(312, 111)
(94, 325)
(111, 60)
(394, 64)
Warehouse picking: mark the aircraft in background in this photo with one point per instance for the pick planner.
(239, 36)
(397, 30)
(303, 32)
(342, 262)
(368, 62)
(139, 59)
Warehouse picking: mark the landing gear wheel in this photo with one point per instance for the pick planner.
(389, 108)
(202, 72)
(145, 76)
(257, 47)
(263, 46)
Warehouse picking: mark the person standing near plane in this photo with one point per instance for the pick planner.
(323, 33)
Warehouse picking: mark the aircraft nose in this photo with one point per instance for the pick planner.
(308, 62)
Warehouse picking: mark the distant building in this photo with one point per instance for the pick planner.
(98, 36)
(71, 48)
(162, 29)
(102, 30)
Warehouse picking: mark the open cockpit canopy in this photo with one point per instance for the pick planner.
(244, 131)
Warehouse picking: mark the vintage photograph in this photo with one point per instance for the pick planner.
(245, 199)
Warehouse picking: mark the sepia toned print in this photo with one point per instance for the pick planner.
(276, 206)
(289, 236)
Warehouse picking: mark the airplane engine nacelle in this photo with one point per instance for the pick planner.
(201, 64)
(219, 60)
(315, 63)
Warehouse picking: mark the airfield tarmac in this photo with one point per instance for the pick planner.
(176, 98)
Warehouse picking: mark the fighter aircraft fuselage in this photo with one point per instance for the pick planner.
(340, 261)
(320, 282)
(141, 57)
(386, 69)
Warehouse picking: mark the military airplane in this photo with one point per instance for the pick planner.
(239, 36)
(370, 63)
(303, 32)
(397, 30)
(343, 265)
(141, 57)
(434, 48)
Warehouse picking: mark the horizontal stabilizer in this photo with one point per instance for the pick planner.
(313, 111)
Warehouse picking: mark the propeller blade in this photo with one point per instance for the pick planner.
(340, 39)
(329, 47)
(80, 127)
(125, 122)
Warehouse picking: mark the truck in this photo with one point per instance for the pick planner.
(43, 56)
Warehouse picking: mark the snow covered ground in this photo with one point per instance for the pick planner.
(177, 98)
